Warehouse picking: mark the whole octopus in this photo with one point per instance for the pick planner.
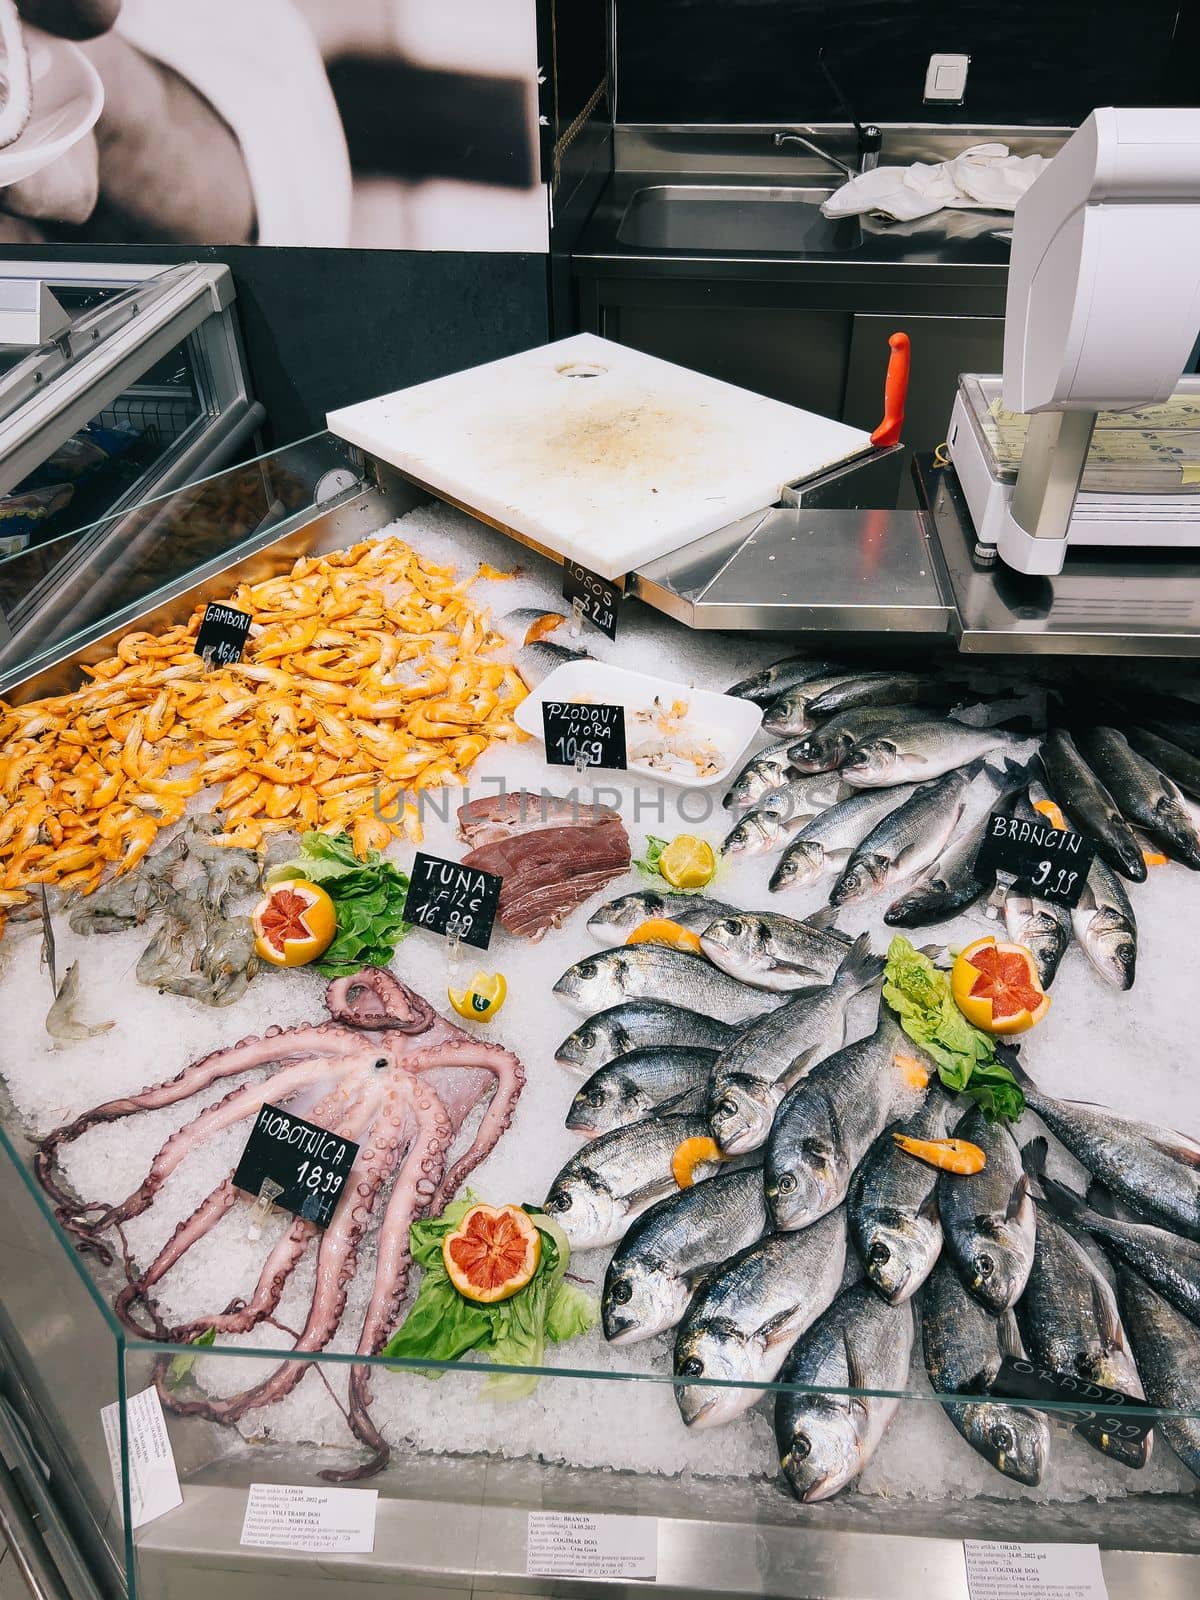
(386, 1071)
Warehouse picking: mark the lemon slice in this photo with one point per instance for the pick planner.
(482, 998)
(687, 862)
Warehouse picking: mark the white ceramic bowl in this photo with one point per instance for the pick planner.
(68, 98)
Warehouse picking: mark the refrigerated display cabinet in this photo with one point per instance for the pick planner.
(452, 1516)
(118, 384)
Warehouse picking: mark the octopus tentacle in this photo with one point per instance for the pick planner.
(377, 1000)
(472, 1054)
(347, 1111)
(326, 1039)
(415, 1187)
(337, 1262)
(245, 1101)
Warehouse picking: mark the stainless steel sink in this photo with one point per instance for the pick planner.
(745, 218)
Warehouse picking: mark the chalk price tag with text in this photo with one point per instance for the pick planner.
(584, 735)
(1034, 1571)
(223, 634)
(1051, 863)
(456, 901)
(599, 598)
(1096, 1411)
(306, 1166)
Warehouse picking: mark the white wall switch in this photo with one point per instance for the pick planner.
(946, 78)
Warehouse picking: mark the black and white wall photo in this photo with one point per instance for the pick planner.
(376, 124)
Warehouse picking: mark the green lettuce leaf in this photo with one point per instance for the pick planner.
(648, 864)
(368, 897)
(182, 1365)
(442, 1325)
(965, 1056)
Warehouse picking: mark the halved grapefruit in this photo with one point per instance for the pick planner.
(996, 987)
(493, 1253)
(294, 923)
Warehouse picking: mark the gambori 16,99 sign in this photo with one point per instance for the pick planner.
(1051, 863)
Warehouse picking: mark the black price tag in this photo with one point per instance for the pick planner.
(583, 735)
(1051, 863)
(223, 634)
(304, 1167)
(599, 598)
(1096, 1413)
(451, 899)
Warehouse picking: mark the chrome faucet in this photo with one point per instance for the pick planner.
(870, 138)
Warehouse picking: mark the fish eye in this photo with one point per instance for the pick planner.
(1003, 1438)
(727, 1108)
(621, 1292)
(587, 1038)
(693, 1367)
(801, 1447)
(787, 1183)
(381, 1064)
(596, 1098)
(879, 1255)
(586, 969)
(730, 925)
(559, 1202)
(984, 1265)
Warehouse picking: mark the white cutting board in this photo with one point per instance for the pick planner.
(612, 470)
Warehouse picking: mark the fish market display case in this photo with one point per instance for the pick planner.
(115, 388)
(465, 1471)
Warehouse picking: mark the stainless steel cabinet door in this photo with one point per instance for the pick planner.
(942, 347)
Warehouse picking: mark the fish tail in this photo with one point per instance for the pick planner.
(860, 968)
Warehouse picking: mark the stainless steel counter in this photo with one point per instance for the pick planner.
(690, 161)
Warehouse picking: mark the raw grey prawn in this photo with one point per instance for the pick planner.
(385, 1071)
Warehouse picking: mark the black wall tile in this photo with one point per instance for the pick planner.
(755, 60)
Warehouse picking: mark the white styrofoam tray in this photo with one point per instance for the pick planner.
(723, 719)
(598, 452)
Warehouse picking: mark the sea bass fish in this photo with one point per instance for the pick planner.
(774, 953)
(788, 712)
(621, 916)
(905, 841)
(767, 685)
(1070, 1325)
(950, 883)
(1167, 1350)
(892, 1206)
(638, 1025)
(658, 972)
(762, 773)
(1145, 795)
(828, 1121)
(1090, 806)
(923, 750)
(988, 1218)
(781, 811)
(826, 1438)
(745, 1318)
(639, 1084)
(609, 1182)
(826, 747)
(1043, 927)
(758, 833)
(753, 1075)
(876, 689)
(1154, 1169)
(964, 1346)
(1178, 764)
(661, 1260)
(826, 843)
(1104, 924)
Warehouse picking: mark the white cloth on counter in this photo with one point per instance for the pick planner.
(984, 178)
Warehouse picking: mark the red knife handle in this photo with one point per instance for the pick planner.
(895, 391)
